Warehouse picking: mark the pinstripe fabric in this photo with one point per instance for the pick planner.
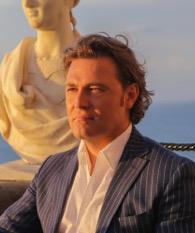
(152, 191)
(41, 206)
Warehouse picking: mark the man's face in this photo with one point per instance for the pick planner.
(97, 104)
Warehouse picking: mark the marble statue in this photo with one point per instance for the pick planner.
(32, 113)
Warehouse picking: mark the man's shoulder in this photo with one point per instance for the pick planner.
(62, 157)
(57, 164)
(155, 152)
(165, 157)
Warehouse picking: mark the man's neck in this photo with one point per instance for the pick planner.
(94, 147)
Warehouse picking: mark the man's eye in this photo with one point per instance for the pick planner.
(96, 90)
(70, 89)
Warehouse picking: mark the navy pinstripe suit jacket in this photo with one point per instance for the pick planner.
(152, 191)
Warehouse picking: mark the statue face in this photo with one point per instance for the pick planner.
(46, 14)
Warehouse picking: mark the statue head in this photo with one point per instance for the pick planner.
(48, 14)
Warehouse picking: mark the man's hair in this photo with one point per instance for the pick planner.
(130, 70)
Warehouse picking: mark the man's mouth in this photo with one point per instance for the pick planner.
(84, 118)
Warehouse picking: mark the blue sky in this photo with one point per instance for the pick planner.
(161, 32)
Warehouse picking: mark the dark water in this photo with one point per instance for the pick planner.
(163, 123)
(172, 123)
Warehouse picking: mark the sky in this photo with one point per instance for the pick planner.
(161, 32)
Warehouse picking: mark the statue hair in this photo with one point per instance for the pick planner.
(73, 19)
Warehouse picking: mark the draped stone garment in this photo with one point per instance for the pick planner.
(32, 112)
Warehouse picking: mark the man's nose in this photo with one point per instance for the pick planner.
(82, 100)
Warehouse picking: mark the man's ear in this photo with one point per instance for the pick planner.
(131, 95)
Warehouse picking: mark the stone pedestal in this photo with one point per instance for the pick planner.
(18, 170)
(15, 176)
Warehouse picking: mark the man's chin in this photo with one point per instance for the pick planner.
(83, 135)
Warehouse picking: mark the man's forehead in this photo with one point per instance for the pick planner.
(97, 66)
(99, 62)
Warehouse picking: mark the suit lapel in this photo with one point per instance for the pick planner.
(63, 187)
(130, 166)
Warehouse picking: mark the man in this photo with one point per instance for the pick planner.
(117, 180)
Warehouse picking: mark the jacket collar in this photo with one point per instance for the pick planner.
(132, 161)
(63, 186)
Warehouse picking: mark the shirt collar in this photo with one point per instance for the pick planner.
(83, 157)
(112, 151)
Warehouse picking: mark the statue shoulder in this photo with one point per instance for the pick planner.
(21, 47)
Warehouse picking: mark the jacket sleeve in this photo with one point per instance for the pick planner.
(177, 205)
(22, 217)
(3, 230)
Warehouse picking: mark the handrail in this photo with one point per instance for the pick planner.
(179, 146)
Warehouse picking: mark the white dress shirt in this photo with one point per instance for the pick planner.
(88, 192)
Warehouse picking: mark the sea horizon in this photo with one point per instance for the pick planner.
(163, 122)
